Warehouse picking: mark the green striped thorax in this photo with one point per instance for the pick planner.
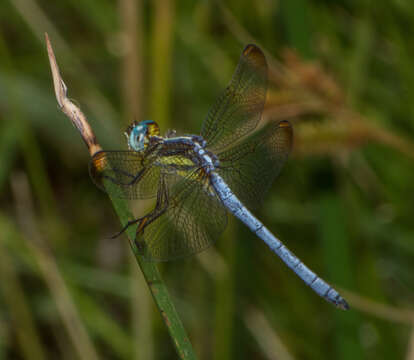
(138, 134)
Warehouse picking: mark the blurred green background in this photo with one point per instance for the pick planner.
(342, 72)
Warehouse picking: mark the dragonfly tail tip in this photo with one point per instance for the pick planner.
(342, 304)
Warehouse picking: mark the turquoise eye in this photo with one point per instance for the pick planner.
(139, 133)
(137, 137)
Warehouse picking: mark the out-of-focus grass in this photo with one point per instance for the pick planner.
(226, 302)
(17, 307)
(336, 249)
(342, 203)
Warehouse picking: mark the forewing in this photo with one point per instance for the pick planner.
(238, 110)
(250, 167)
(125, 174)
(193, 219)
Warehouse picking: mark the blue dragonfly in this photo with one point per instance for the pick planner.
(196, 179)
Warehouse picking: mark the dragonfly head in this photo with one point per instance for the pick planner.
(138, 134)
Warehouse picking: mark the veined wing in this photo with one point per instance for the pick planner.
(189, 217)
(238, 110)
(125, 174)
(250, 167)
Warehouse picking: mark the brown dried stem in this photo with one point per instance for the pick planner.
(75, 115)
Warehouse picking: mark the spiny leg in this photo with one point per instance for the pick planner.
(126, 226)
(142, 220)
(159, 209)
(135, 178)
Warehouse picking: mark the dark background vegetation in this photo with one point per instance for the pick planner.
(341, 71)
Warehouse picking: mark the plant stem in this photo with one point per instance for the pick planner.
(151, 274)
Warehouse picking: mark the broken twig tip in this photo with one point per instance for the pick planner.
(73, 112)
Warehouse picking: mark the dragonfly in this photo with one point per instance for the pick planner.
(195, 180)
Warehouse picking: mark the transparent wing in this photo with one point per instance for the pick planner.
(125, 174)
(189, 217)
(238, 110)
(250, 167)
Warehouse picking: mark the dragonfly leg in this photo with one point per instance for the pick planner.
(159, 209)
(134, 178)
(127, 225)
(139, 242)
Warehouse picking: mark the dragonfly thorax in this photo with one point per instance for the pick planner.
(139, 133)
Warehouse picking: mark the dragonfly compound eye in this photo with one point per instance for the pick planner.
(136, 139)
(138, 134)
